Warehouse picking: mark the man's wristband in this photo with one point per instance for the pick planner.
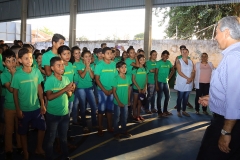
(225, 133)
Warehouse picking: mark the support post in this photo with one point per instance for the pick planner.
(148, 28)
(24, 9)
(72, 25)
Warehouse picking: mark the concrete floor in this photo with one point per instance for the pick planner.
(168, 138)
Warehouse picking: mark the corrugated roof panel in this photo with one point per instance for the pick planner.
(44, 8)
(9, 11)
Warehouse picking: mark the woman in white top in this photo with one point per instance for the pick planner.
(203, 74)
(184, 81)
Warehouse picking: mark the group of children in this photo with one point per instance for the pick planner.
(43, 90)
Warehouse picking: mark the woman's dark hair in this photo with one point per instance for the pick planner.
(37, 55)
(139, 57)
(62, 48)
(140, 50)
(130, 48)
(205, 54)
(120, 64)
(152, 51)
(122, 55)
(36, 51)
(165, 52)
(84, 48)
(85, 52)
(72, 60)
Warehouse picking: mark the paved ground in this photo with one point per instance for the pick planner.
(157, 138)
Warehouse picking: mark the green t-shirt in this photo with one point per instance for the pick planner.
(106, 72)
(1, 63)
(69, 72)
(76, 75)
(117, 59)
(163, 70)
(140, 77)
(6, 77)
(122, 86)
(96, 61)
(59, 105)
(151, 65)
(95, 56)
(35, 64)
(27, 86)
(128, 62)
(87, 81)
(47, 57)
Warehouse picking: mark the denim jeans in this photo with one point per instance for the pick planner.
(163, 88)
(56, 124)
(70, 106)
(83, 95)
(150, 96)
(123, 111)
(182, 98)
(105, 103)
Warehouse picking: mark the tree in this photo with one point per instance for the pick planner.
(198, 21)
(46, 31)
(82, 38)
(139, 36)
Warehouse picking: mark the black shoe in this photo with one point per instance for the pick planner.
(8, 156)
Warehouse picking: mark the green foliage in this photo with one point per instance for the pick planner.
(192, 20)
(139, 36)
(46, 31)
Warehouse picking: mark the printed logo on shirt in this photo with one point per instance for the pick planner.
(165, 66)
(123, 85)
(32, 80)
(108, 70)
(70, 72)
(141, 72)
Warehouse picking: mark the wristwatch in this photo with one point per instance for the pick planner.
(225, 133)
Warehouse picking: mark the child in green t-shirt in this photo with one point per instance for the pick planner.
(99, 56)
(140, 81)
(151, 66)
(9, 61)
(164, 66)
(57, 41)
(121, 93)
(104, 74)
(58, 88)
(27, 81)
(84, 90)
(65, 54)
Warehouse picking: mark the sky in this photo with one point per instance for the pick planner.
(97, 26)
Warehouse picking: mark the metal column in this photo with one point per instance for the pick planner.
(24, 9)
(72, 26)
(148, 28)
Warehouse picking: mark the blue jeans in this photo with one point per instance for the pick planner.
(56, 124)
(70, 106)
(182, 98)
(150, 96)
(163, 88)
(105, 103)
(83, 95)
(123, 111)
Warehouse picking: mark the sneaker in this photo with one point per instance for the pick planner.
(185, 114)
(205, 112)
(179, 114)
(68, 158)
(189, 105)
(137, 120)
(8, 156)
(148, 112)
(117, 137)
(154, 111)
(141, 118)
(127, 135)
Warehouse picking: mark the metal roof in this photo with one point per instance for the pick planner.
(11, 9)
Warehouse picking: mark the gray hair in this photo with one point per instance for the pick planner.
(233, 24)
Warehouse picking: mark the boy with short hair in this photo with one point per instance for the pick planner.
(121, 93)
(27, 93)
(57, 41)
(9, 61)
(104, 74)
(99, 56)
(58, 88)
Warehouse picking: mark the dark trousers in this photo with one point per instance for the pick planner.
(209, 148)
(163, 89)
(202, 91)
